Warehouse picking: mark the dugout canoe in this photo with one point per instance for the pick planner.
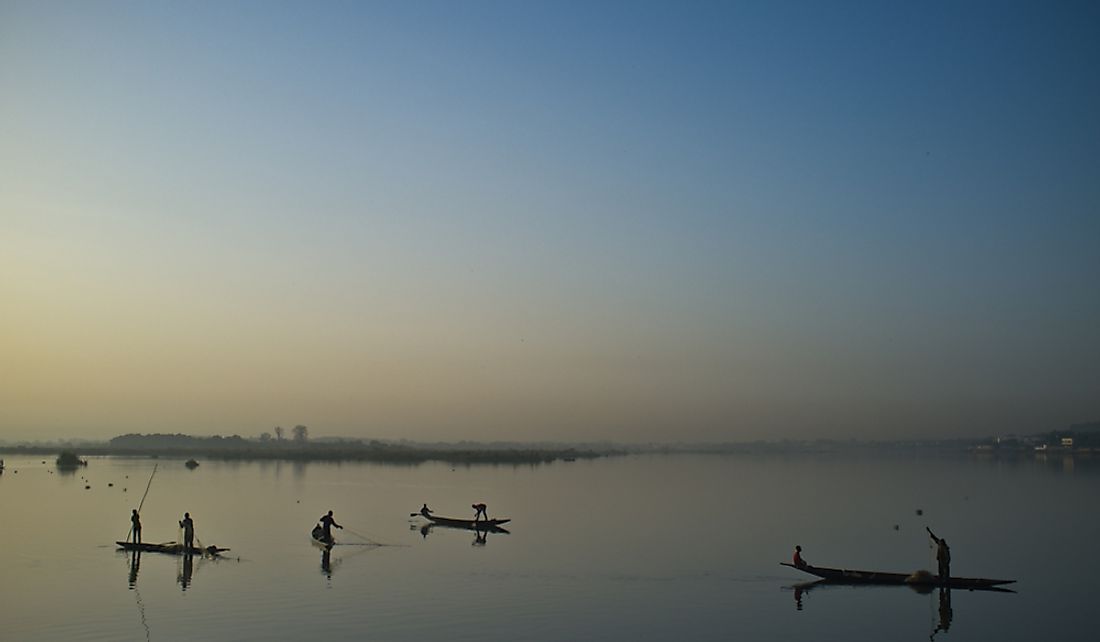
(317, 535)
(469, 524)
(170, 548)
(919, 578)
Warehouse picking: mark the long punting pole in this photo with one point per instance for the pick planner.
(142, 503)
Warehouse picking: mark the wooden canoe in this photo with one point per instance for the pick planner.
(318, 537)
(170, 548)
(469, 524)
(847, 576)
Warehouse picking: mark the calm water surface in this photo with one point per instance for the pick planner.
(646, 547)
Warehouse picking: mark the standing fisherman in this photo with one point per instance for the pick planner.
(943, 556)
(136, 526)
(327, 522)
(188, 526)
(479, 511)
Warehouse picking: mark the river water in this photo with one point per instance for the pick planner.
(652, 547)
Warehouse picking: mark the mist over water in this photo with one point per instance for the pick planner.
(638, 547)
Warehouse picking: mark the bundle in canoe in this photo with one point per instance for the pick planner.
(171, 548)
(920, 578)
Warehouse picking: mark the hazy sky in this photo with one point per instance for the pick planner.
(518, 220)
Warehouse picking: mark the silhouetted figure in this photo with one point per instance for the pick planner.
(425, 511)
(943, 556)
(798, 561)
(135, 522)
(326, 561)
(480, 537)
(188, 526)
(798, 598)
(327, 522)
(479, 511)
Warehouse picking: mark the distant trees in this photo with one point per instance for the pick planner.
(279, 433)
(265, 436)
(301, 434)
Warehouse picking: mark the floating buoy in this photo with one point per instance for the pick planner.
(920, 511)
(87, 488)
(110, 485)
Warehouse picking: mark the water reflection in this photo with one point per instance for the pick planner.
(135, 565)
(481, 534)
(184, 576)
(946, 613)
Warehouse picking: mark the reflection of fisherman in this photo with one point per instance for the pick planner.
(188, 527)
(945, 610)
(136, 521)
(798, 561)
(943, 556)
(327, 522)
(188, 569)
(135, 565)
(479, 511)
(425, 511)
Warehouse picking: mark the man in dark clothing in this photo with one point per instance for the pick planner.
(327, 522)
(479, 511)
(798, 561)
(136, 526)
(188, 527)
(943, 556)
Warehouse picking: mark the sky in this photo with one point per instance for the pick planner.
(566, 221)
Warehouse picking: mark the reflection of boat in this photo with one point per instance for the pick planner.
(318, 537)
(469, 524)
(920, 578)
(171, 548)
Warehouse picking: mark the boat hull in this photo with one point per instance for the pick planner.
(468, 524)
(317, 535)
(847, 576)
(169, 548)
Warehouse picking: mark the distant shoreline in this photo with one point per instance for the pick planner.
(1078, 440)
(410, 456)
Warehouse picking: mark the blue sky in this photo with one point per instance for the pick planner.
(626, 221)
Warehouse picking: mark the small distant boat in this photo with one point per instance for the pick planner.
(318, 536)
(192, 464)
(920, 578)
(170, 548)
(469, 524)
